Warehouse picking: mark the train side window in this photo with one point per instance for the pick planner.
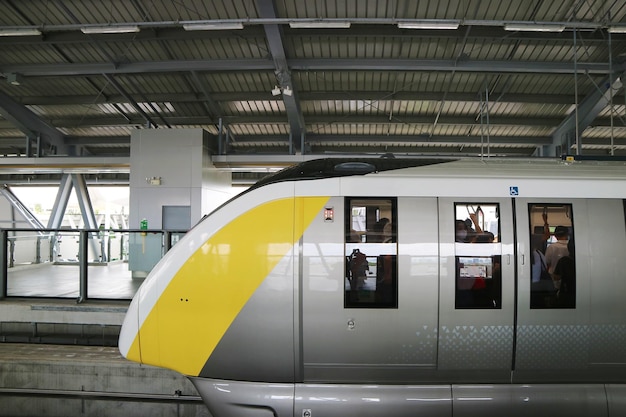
(477, 223)
(478, 251)
(552, 266)
(370, 253)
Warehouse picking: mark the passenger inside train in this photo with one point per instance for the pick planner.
(478, 273)
(552, 245)
(371, 253)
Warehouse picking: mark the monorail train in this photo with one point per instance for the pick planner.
(400, 287)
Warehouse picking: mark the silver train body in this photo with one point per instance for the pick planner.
(293, 299)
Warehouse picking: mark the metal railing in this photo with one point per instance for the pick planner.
(23, 250)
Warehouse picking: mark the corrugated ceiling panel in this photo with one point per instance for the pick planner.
(242, 108)
(96, 11)
(118, 11)
(98, 131)
(407, 9)
(224, 82)
(10, 16)
(619, 113)
(11, 133)
(513, 130)
(557, 84)
(72, 11)
(259, 129)
(25, 54)
(453, 9)
(383, 83)
(218, 48)
(201, 9)
(51, 86)
(617, 132)
(372, 47)
(182, 109)
(440, 129)
(73, 110)
(150, 83)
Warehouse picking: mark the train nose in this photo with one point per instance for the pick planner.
(129, 342)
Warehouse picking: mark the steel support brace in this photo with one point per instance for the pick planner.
(4, 274)
(83, 252)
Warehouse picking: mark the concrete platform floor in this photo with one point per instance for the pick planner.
(52, 380)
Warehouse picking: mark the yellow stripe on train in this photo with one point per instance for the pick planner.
(214, 284)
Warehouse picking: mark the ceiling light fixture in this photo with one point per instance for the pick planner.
(20, 32)
(320, 24)
(276, 91)
(213, 26)
(92, 30)
(617, 29)
(287, 91)
(426, 24)
(533, 27)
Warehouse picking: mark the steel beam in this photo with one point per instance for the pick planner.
(304, 64)
(273, 32)
(588, 110)
(30, 124)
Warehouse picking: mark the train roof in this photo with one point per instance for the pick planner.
(341, 167)
(578, 167)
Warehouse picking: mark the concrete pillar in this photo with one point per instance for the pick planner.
(173, 184)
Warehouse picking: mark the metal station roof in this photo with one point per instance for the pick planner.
(268, 78)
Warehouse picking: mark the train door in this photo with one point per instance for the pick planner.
(553, 330)
(476, 298)
(369, 290)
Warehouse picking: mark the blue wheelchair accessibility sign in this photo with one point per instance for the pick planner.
(513, 191)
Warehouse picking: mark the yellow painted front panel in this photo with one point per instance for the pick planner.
(202, 300)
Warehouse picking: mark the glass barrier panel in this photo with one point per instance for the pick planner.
(37, 268)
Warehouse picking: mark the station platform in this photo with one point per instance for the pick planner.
(55, 380)
(110, 281)
(59, 357)
(61, 321)
(43, 303)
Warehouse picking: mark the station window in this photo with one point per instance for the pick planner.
(552, 266)
(478, 253)
(371, 251)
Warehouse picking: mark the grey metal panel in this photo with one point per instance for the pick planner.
(553, 346)
(373, 400)
(245, 399)
(529, 400)
(616, 398)
(176, 217)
